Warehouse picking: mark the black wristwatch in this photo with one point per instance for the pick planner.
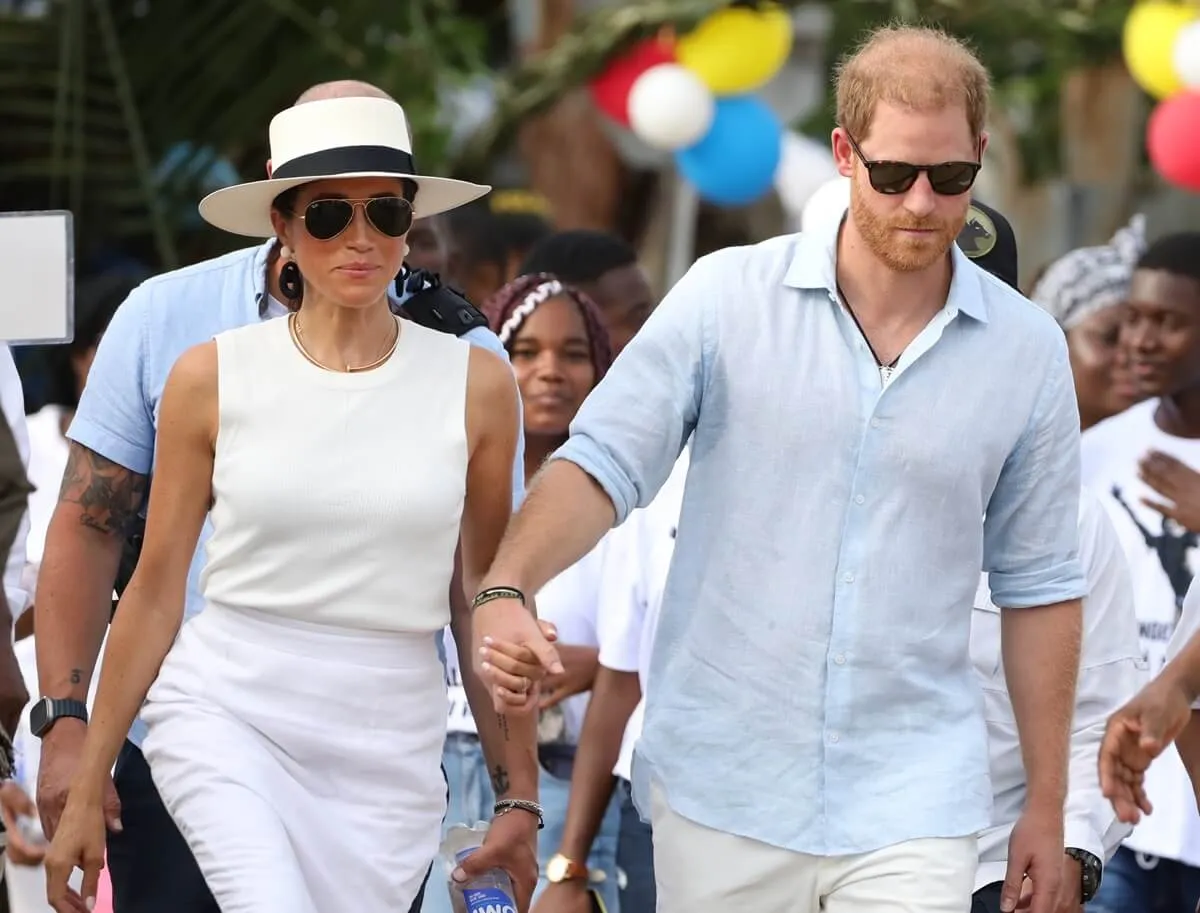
(49, 710)
(1090, 869)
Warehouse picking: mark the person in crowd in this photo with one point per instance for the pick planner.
(1086, 291)
(96, 300)
(1141, 465)
(15, 489)
(282, 812)
(831, 382)
(603, 267)
(485, 241)
(112, 447)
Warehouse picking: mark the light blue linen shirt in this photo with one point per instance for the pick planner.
(161, 319)
(811, 684)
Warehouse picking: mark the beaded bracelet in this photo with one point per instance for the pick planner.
(504, 806)
(497, 592)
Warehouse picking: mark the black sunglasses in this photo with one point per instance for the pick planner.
(946, 178)
(326, 219)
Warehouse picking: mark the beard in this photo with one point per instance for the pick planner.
(904, 253)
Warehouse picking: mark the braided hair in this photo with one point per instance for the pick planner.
(509, 308)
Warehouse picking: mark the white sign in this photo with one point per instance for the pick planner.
(37, 277)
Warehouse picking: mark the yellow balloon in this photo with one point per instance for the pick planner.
(737, 49)
(1149, 36)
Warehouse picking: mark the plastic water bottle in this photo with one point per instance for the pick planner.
(491, 892)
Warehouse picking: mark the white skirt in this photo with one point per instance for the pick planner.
(301, 762)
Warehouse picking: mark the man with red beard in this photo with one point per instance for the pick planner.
(872, 419)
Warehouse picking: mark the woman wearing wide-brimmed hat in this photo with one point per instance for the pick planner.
(296, 725)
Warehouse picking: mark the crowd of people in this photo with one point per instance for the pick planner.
(304, 500)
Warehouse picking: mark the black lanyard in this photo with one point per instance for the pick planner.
(885, 370)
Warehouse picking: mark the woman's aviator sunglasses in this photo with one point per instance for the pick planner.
(326, 219)
(947, 178)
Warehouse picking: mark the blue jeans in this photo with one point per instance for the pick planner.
(635, 857)
(471, 801)
(1137, 883)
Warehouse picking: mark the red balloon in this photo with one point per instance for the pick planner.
(611, 88)
(1173, 140)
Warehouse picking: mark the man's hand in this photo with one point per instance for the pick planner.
(580, 665)
(1070, 897)
(22, 848)
(570, 896)
(511, 845)
(1035, 849)
(1137, 734)
(506, 627)
(1178, 483)
(13, 693)
(61, 751)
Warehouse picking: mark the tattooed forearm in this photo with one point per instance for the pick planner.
(500, 782)
(502, 725)
(108, 494)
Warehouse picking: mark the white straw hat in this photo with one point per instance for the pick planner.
(333, 138)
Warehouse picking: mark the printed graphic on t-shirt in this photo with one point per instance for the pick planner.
(1171, 544)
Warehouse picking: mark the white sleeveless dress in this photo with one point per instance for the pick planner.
(296, 728)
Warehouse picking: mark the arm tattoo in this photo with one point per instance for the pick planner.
(108, 494)
(502, 723)
(500, 783)
(76, 676)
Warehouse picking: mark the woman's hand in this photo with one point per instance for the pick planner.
(78, 843)
(15, 807)
(513, 670)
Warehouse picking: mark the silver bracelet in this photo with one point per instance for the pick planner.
(504, 806)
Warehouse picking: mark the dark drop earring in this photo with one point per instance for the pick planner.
(291, 283)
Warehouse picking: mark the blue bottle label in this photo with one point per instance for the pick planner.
(488, 900)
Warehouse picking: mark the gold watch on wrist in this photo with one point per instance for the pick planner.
(560, 868)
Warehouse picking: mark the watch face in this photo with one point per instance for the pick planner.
(556, 869)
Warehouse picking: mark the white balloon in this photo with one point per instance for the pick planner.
(827, 204)
(670, 108)
(1186, 55)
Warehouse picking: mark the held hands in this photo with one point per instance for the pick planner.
(1137, 734)
(61, 750)
(513, 653)
(78, 843)
(511, 845)
(1035, 852)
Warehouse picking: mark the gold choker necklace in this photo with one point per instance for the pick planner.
(298, 340)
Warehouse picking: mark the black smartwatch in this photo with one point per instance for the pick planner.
(1090, 869)
(49, 710)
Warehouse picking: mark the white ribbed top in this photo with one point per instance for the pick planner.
(338, 497)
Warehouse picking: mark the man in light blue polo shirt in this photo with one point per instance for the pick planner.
(111, 458)
(872, 420)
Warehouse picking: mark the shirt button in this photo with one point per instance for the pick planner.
(833, 737)
(874, 423)
(848, 578)
(840, 659)
(859, 499)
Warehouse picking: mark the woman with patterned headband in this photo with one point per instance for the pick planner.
(1085, 291)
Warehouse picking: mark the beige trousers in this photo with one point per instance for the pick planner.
(698, 868)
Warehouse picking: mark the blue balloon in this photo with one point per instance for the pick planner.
(734, 164)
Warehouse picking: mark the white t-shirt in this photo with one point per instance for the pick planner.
(570, 602)
(634, 568)
(1188, 627)
(48, 450)
(1163, 558)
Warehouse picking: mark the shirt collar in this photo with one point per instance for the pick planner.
(813, 266)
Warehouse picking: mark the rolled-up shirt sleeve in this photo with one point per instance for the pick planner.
(633, 426)
(1031, 535)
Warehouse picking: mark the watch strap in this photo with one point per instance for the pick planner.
(49, 710)
(562, 868)
(1091, 871)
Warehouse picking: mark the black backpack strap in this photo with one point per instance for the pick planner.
(436, 306)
